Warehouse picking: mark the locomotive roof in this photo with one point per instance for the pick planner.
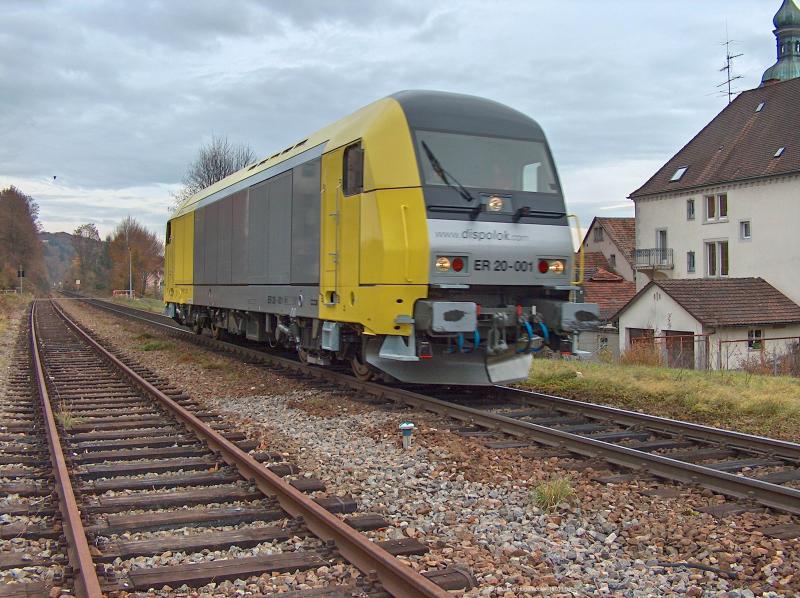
(445, 111)
(435, 110)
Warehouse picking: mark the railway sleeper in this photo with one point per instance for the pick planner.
(107, 525)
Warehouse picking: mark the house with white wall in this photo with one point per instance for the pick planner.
(727, 205)
(712, 323)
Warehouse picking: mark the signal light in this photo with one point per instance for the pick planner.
(555, 266)
(458, 264)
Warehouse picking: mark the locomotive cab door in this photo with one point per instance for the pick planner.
(342, 184)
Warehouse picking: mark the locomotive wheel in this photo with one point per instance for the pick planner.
(216, 331)
(197, 327)
(362, 370)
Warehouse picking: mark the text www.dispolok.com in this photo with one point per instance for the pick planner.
(479, 235)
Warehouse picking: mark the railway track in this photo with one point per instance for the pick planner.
(33, 548)
(763, 471)
(140, 471)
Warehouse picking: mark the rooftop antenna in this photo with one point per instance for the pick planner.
(730, 78)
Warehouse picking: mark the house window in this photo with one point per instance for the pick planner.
(662, 252)
(353, 176)
(755, 339)
(744, 230)
(711, 207)
(717, 258)
(716, 207)
(689, 209)
(598, 234)
(612, 260)
(690, 266)
(678, 174)
(603, 344)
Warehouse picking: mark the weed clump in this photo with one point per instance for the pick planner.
(156, 346)
(548, 495)
(66, 418)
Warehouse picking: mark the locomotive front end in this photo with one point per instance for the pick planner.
(501, 259)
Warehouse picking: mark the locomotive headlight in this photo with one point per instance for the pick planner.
(495, 204)
(442, 264)
(557, 266)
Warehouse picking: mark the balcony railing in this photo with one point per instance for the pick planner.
(655, 259)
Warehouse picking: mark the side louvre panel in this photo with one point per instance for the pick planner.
(199, 246)
(256, 234)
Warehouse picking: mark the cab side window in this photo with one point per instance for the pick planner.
(353, 176)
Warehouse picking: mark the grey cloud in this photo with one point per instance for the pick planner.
(120, 94)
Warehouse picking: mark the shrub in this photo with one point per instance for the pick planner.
(641, 354)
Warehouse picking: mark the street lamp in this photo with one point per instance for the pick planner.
(130, 259)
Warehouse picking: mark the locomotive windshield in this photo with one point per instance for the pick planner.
(487, 162)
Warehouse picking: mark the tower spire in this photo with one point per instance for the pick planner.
(787, 34)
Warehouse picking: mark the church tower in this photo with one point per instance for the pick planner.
(787, 32)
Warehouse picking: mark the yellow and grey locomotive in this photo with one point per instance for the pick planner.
(422, 238)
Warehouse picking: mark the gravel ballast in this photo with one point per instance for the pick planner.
(474, 506)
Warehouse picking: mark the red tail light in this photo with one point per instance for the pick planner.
(544, 266)
(425, 350)
(458, 264)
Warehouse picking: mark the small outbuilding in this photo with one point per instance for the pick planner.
(712, 323)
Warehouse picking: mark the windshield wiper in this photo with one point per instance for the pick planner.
(443, 174)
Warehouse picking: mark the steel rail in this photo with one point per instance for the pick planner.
(747, 442)
(772, 495)
(769, 446)
(397, 578)
(87, 584)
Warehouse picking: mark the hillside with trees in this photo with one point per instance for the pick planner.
(20, 245)
(58, 256)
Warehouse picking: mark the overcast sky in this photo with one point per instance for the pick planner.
(115, 98)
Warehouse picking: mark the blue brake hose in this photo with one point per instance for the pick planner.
(529, 330)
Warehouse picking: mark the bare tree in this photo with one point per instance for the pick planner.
(86, 265)
(216, 160)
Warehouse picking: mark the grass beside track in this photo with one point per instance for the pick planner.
(11, 307)
(750, 403)
(145, 303)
